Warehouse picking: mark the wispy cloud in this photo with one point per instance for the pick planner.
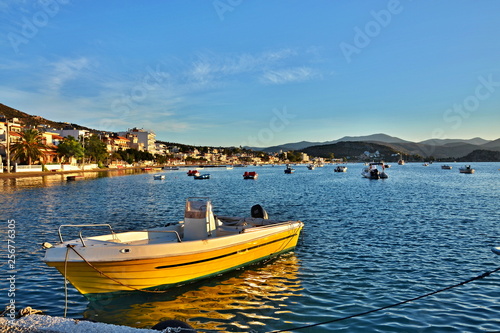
(65, 70)
(212, 68)
(288, 75)
(166, 96)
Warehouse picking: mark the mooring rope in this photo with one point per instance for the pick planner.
(111, 278)
(482, 276)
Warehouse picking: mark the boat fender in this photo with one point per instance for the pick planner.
(47, 245)
(166, 325)
(258, 212)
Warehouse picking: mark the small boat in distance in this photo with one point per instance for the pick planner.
(250, 175)
(311, 167)
(340, 168)
(193, 173)
(289, 169)
(159, 177)
(466, 169)
(371, 171)
(401, 162)
(200, 246)
(73, 178)
(203, 176)
(446, 167)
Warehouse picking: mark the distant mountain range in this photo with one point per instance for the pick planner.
(437, 148)
(305, 144)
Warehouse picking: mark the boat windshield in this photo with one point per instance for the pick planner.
(196, 208)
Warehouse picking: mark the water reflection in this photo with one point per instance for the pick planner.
(26, 182)
(11, 184)
(232, 302)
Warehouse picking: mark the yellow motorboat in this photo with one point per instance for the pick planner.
(152, 260)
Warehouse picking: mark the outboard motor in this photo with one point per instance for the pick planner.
(258, 212)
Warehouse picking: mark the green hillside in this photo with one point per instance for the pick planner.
(351, 149)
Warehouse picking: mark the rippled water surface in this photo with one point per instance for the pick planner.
(366, 244)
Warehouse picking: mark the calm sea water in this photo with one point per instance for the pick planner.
(366, 244)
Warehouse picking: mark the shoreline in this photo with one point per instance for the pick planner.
(52, 324)
(6, 175)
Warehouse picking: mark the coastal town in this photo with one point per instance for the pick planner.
(40, 148)
(31, 144)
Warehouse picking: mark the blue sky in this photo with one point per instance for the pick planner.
(259, 73)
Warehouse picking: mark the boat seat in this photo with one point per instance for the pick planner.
(230, 220)
(226, 230)
(254, 221)
(246, 221)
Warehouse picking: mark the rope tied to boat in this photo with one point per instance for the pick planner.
(27, 311)
(482, 276)
(109, 277)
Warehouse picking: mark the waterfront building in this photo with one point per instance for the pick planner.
(9, 134)
(51, 141)
(115, 143)
(76, 133)
(141, 139)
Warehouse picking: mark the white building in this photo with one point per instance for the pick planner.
(145, 139)
(9, 133)
(71, 132)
